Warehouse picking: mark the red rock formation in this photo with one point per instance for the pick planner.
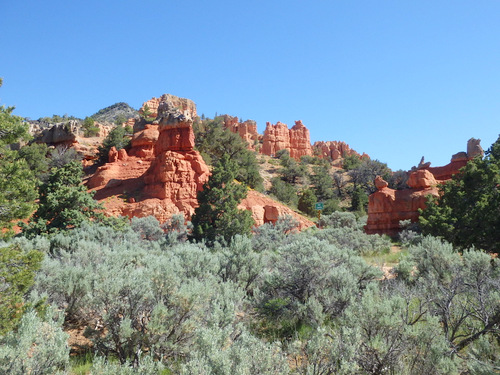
(278, 137)
(247, 130)
(387, 207)
(265, 210)
(186, 106)
(300, 141)
(143, 141)
(162, 174)
(334, 150)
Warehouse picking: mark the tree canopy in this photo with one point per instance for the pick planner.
(467, 213)
(17, 180)
(64, 202)
(217, 215)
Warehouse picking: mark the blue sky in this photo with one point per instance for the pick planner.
(395, 79)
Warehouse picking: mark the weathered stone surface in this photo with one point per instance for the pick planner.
(278, 137)
(186, 106)
(143, 141)
(334, 150)
(59, 134)
(176, 130)
(458, 161)
(116, 155)
(265, 210)
(300, 141)
(421, 179)
(387, 207)
(474, 148)
(246, 130)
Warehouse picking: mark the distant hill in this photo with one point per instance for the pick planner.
(111, 113)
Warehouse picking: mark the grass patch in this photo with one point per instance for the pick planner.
(389, 259)
(81, 364)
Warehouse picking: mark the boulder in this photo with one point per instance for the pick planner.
(143, 141)
(186, 106)
(266, 210)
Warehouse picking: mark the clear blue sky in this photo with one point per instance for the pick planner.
(395, 79)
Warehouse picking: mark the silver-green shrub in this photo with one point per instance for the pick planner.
(38, 347)
(310, 281)
(228, 352)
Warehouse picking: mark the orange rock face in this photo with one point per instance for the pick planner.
(143, 141)
(186, 106)
(278, 137)
(300, 141)
(265, 210)
(334, 150)
(162, 174)
(246, 130)
(387, 207)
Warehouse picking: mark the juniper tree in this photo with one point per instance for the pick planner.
(218, 216)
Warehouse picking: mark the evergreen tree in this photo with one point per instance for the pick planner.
(17, 180)
(64, 202)
(217, 216)
(17, 274)
(322, 183)
(307, 201)
(467, 212)
(117, 138)
(214, 141)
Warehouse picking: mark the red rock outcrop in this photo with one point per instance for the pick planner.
(186, 106)
(333, 150)
(300, 141)
(162, 173)
(387, 207)
(247, 130)
(143, 142)
(265, 210)
(278, 137)
(162, 164)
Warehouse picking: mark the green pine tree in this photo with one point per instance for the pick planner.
(17, 180)
(217, 216)
(64, 202)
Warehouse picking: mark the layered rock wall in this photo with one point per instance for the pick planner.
(278, 137)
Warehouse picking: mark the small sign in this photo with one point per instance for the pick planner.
(319, 206)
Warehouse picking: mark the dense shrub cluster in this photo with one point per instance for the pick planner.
(278, 302)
